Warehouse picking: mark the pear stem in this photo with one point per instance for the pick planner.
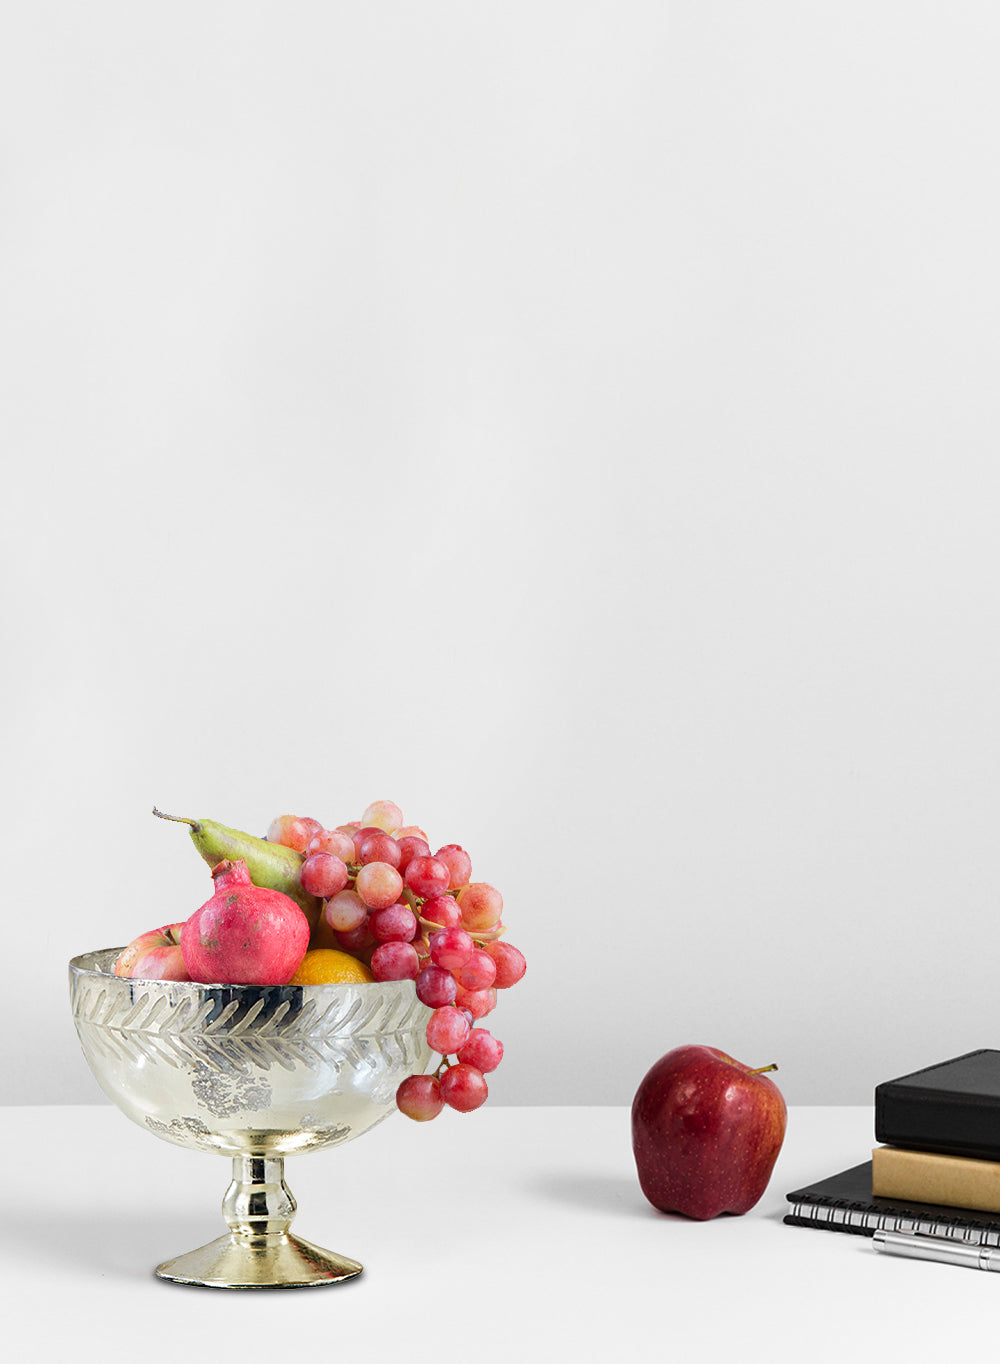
(761, 1069)
(177, 819)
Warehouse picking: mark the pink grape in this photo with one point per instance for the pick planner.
(478, 973)
(447, 1030)
(443, 910)
(292, 832)
(351, 828)
(395, 961)
(409, 848)
(345, 911)
(458, 862)
(335, 842)
(451, 948)
(511, 964)
(395, 923)
(435, 986)
(427, 877)
(482, 1050)
(410, 831)
(419, 1097)
(463, 1087)
(481, 906)
(323, 874)
(478, 1002)
(379, 885)
(383, 813)
(379, 848)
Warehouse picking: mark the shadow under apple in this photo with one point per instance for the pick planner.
(609, 1194)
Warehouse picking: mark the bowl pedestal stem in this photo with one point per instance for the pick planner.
(259, 1251)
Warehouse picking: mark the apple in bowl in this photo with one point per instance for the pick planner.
(155, 955)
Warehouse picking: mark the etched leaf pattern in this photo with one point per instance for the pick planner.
(139, 1022)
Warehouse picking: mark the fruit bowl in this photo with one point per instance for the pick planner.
(255, 1073)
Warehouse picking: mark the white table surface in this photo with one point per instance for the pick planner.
(509, 1233)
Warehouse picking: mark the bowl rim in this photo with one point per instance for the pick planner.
(78, 968)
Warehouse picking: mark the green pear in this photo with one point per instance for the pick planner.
(270, 865)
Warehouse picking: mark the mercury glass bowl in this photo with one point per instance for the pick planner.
(256, 1073)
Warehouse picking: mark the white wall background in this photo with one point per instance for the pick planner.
(574, 421)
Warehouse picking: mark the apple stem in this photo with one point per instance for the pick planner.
(761, 1069)
(178, 819)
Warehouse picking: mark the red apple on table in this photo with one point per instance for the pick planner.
(706, 1131)
(155, 955)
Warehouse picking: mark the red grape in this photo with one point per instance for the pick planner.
(481, 906)
(409, 848)
(395, 923)
(359, 836)
(323, 874)
(379, 848)
(482, 1049)
(451, 947)
(427, 877)
(395, 961)
(419, 1097)
(463, 1087)
(458, 862)
(443, 910)
(447, 1030)
(510, 963)
(379, 885)
(435, 986)
(355, 940)
(478, 973)
(346, 911)
(478, 1002)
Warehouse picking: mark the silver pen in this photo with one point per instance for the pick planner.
(943, 1249)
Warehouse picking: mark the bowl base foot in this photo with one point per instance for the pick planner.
(235, 1261)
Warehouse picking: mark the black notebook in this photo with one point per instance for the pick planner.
(845, 1202)
(952, 1108)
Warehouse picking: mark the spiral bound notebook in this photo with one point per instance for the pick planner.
(844, 1202)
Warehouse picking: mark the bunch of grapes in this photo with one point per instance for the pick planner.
(410, 914)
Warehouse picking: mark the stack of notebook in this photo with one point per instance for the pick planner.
(937, 1170)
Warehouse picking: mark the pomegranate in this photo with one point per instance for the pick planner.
(244, 935)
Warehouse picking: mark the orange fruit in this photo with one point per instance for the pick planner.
(327, 966)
